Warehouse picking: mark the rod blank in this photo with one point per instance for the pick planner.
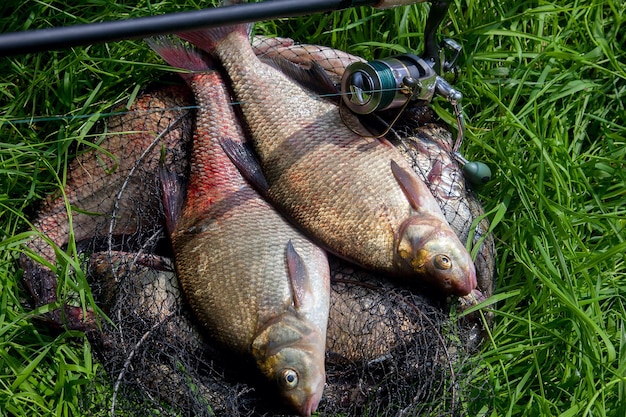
(87, 34)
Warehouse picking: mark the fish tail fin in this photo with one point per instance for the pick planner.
(179, 55)
(207, 39)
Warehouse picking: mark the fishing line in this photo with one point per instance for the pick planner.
(69, 118)
(92, 33)
(477, 172)
(389, 125)
(103, 115)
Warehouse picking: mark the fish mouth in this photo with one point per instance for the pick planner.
(310, 405)
(463, 287)
(473, 281)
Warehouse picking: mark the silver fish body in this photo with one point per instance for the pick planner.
(423, 141)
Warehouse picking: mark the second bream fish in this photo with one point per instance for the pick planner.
(357, 196)
(255, 283)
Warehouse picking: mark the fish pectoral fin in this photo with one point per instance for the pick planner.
(412, 186)
(242, 157)
(298, 276)
(173, 195)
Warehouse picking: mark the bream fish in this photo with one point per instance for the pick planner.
(109, 192)
(356, 195)
(421, 138)
(253, 280)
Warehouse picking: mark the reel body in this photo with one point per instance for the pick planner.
(395, 82)
(387, 83)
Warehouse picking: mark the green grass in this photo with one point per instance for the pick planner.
(543, 83)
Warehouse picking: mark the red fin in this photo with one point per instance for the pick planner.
(297, 276)
(207, 39)
(409, 183)
(179, 55)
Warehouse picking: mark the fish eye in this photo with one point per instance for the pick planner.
(443, 262)
(289, 378)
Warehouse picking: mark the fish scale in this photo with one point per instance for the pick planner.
(233, 251)
(337, 186)
(210, 250)
(371, 215)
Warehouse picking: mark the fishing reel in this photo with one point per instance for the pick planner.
(397, 81)
(387, 83)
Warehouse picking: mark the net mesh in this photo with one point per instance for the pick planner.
(390, 351)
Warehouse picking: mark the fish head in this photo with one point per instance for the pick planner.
(434, 251)
(290, 352)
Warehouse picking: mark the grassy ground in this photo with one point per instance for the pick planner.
(543, 83)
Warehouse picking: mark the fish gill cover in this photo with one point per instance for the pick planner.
(390, 351)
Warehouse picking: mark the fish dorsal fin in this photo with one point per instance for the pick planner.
(298, 276)
(410, 184)
(247, 164)
(173, 196)
(314, 78)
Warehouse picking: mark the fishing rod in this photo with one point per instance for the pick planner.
(86, 34)
(369, 87)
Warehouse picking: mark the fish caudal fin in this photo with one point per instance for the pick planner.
(179, 55)
(207, 39)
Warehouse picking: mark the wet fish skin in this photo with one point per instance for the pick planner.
(457, 202)
(423, 141)
(255, 283)
(356, 332)
(333, 183)
(426, 145)
(113, 188)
